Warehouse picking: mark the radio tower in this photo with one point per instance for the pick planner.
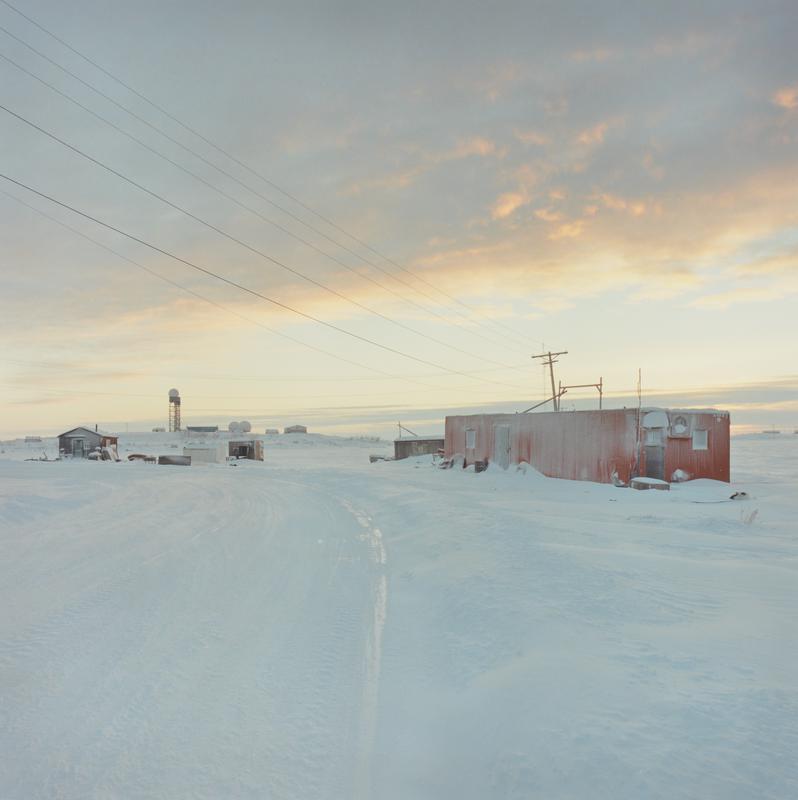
(174, 410)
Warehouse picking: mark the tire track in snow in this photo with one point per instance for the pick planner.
(373, 655)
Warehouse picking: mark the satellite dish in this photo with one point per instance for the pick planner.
(246, 427)
(234, 427)
(174, 393)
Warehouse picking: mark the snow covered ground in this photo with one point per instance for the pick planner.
(315, 626)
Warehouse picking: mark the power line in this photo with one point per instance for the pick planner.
(256, 213)
(243, 165)
(229, 236)
(246, 289)
(202, 297)
(227, 377)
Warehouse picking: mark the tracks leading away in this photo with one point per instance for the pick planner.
(190, 633)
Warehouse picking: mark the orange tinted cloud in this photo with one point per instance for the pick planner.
(787, 97)
(634, 207)
(476, 146)
(547, 215)
(532, 137)
(594, 135)
(571, 230)
(507, 203)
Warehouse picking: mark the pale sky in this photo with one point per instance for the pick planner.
(617, 180)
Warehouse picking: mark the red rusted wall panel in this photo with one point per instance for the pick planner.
(710, 463)
(589, 445)
(580, 445)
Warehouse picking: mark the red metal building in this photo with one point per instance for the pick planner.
(609, 446)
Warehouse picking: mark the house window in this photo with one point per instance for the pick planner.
(700, 440)
(471, 438)
(653, 437)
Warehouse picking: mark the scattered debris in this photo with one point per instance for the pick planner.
(649, 483)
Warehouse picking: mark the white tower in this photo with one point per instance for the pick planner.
(174, 410)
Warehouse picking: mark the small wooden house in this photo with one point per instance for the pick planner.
(417, 446)
(251, 449)
(295, 429)
(79, 442)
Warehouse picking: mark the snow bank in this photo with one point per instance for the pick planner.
(318, 626)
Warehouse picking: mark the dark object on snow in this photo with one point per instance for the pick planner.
(142, 457)
(480, 466)
(739, 496)
(649, 483)
(175, 461)
(373, 458)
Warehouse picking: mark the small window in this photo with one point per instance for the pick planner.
(700, 440)
(653, 437)
(471, 439)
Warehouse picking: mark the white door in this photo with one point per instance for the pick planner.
(501, 445)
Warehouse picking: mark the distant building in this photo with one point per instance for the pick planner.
(295, 429)
(159, 430)
(202, 429)
(251, 449)
(205, 452)
(418, 446)
(272, 431)
(609, 446)
(33, 439)
(79, 442)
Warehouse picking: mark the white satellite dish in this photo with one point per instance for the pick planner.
(174, 393)
(246, 427)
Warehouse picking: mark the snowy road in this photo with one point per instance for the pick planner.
(318, 627)
(202, 633)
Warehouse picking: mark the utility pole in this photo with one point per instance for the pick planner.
(551, 360)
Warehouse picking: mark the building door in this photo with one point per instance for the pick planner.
(77, 448)
(655, 453)
(501, 445)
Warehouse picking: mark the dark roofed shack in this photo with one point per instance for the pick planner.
(419, 446)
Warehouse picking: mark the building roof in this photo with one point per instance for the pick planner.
(88, 430)
(643, 410)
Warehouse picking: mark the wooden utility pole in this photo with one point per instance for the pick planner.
(551, 360)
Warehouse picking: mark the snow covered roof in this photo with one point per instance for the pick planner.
(646, 409)
(87, 430)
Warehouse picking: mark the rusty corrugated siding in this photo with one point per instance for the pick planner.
(710, 463)
(589, 445)
(580, 445)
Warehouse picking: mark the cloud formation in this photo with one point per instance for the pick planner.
(573, 170)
